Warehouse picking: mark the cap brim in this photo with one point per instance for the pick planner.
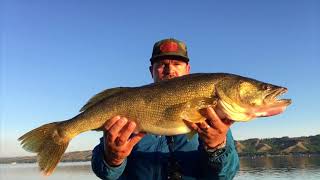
(172, 57)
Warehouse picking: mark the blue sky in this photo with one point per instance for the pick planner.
(56, 54)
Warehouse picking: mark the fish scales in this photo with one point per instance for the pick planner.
(160, 108)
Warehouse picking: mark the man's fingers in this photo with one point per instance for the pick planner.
(203, 126)
(191, 125)
(213, 119)
(135, 139)
(115, 129)
(109, 123)
(125, 133)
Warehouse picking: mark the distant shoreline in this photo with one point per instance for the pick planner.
(89, 161)
(271, 147)
(32, 159)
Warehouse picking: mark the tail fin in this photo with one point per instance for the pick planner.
(49, 142)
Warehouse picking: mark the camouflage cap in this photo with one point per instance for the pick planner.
(169, 48)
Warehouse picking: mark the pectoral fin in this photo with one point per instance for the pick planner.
(192, 115)
(191, 111)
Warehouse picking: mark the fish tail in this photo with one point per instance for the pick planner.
(49, 142)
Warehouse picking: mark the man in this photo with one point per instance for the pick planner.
(124, 154)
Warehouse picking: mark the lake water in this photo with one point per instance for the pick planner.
(281, 167)
(269, 168)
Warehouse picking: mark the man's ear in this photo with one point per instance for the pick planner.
(151, 70)
(188, 68)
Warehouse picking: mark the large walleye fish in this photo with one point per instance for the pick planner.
(159, 108)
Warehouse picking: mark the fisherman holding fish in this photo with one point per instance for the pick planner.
(210, 153)
(187, 118)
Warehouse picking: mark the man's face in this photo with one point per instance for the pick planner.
(168, 68)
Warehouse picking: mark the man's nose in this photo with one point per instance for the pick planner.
(168, 68)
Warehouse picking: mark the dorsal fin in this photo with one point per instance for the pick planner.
(100, 96)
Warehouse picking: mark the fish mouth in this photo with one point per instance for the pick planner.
(273, 104)
(273, 97)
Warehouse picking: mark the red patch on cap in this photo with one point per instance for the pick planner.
(169, 46)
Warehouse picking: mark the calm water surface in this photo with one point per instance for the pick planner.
(305, 168)
(281, 167)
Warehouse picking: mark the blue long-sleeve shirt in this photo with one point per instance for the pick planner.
(149, 160)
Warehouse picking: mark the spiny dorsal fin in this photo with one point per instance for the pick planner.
(100, 96)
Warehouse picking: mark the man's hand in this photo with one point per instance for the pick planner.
(118, 142)
(213, 131)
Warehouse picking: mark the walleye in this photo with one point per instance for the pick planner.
(159, 108)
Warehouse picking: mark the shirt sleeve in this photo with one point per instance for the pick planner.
(101, 168)
(223, 166)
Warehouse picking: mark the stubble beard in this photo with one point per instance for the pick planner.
(169, 76)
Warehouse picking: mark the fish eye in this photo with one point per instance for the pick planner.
(266, 87)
